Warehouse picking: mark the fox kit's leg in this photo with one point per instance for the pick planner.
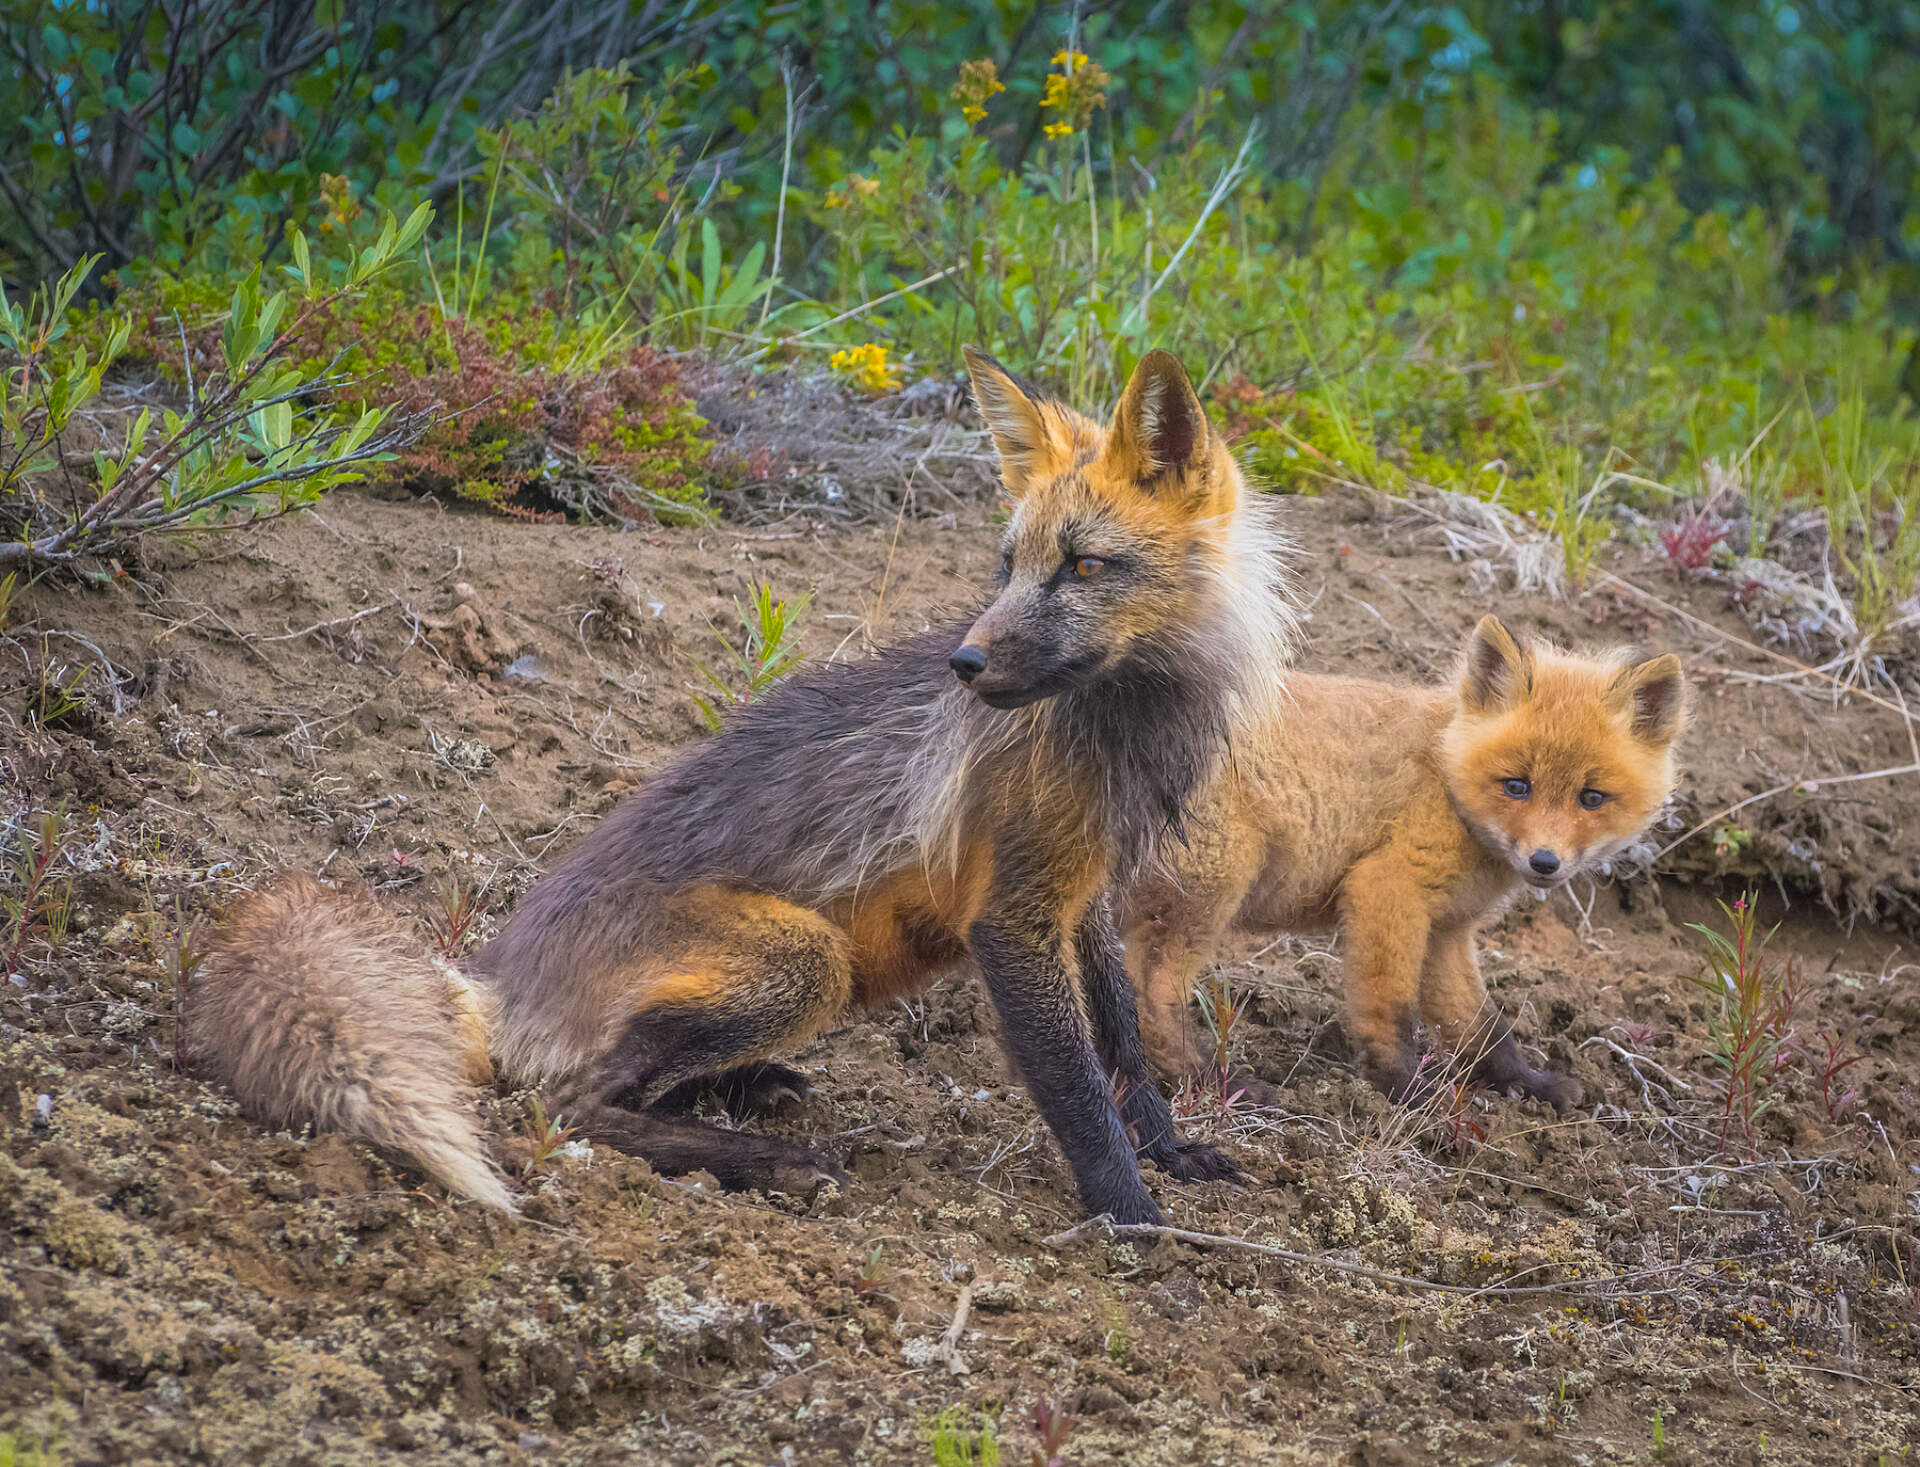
(1108, 990)
(1385, 922)
(1454, 999)
(743, 976)
(1024, 950)
(1167, 951)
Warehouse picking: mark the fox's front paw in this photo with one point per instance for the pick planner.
(1403, 1080)
(1123, 1198)
(1560, 1091)
(1196, 1161)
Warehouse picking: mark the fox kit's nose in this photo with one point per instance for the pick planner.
(968, 663)
(1544, 862)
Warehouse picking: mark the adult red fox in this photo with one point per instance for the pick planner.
(967, 793)
(1404, 817)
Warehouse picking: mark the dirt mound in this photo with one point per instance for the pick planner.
(413, 694)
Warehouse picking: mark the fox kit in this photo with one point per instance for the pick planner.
(1404, 817)
(967, 794)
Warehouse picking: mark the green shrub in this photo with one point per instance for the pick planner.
(250, 443)
(522, 413)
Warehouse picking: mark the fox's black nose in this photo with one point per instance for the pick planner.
(1544, 862)
(968, 663)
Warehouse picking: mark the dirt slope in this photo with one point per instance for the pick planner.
(394, 691)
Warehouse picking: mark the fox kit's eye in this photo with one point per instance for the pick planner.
(1517, 789)
(1592, 799)
(1088, 566)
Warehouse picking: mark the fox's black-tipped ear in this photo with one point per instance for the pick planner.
(1498, 670)
(1018, 416)
(1159, 428)
(1655, 691)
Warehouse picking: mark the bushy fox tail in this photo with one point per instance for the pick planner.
(316, 1009)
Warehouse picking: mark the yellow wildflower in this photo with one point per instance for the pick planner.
(866, 368)
(979, 83)
(1073, 93)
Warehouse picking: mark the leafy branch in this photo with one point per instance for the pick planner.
(259, 423)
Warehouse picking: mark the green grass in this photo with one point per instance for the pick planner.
(22, 1451)
(961, 1438)
(769, 649)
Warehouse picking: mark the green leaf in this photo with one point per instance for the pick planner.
(709, 262)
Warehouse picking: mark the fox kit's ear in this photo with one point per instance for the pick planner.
(1498, 670)
(1026, 435)
(1655, 691)
(1159, 428)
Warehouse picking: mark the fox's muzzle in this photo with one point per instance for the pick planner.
(1012, 656)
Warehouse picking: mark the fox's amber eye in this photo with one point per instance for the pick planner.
(1592, 799)
(1088, 565)
(1517, 789)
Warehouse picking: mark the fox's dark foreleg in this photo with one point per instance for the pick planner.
(1111, 1005)
(1023, 951)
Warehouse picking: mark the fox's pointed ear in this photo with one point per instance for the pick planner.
(1655, 694)
(1159, 429)
(1499, 670)
(1025, 433)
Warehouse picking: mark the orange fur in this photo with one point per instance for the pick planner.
(1391, 813)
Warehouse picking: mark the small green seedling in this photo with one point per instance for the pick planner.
(546, 1135)
(770, 649)
(955, 1445)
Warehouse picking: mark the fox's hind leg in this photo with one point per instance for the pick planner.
(739, 1160)
(1453, 997)
(740, 977)
(746, 1090)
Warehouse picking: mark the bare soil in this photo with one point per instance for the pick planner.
(397, 692)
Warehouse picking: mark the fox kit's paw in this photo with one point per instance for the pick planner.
(1402, 1079)
(1247, 1091)
(1195, 1161)
(1505, 1068)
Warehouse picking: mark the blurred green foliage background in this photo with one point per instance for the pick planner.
(1562, 255)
